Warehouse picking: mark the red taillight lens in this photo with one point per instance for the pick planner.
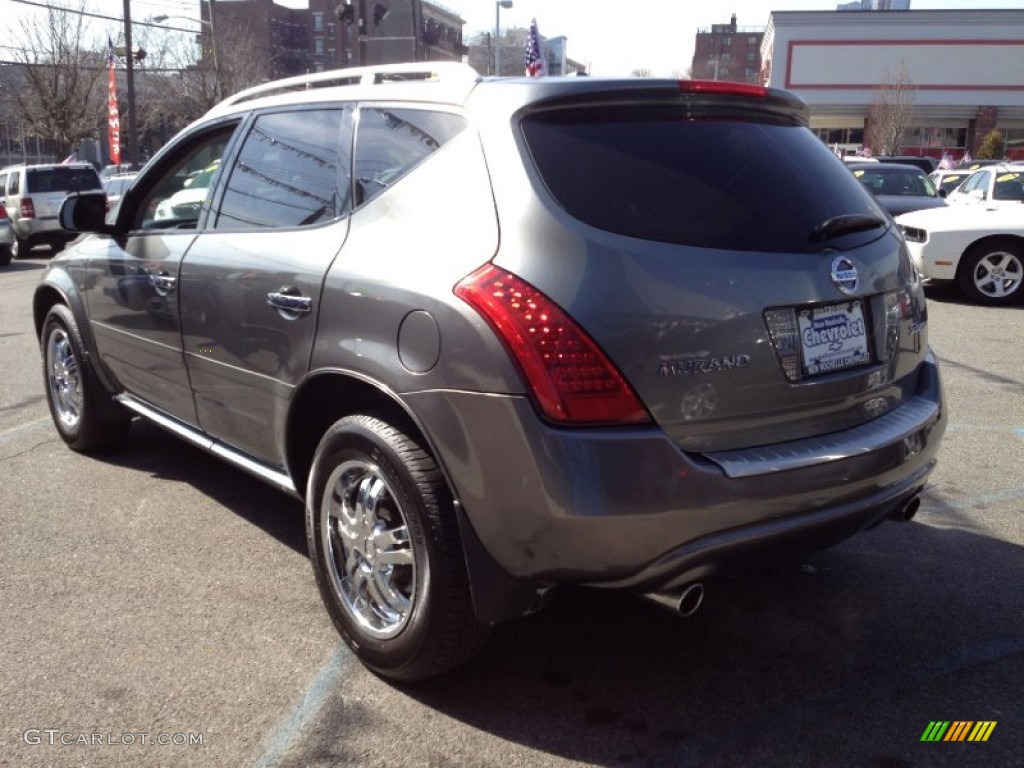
(571, 378)
(3, 212)
(28, 211)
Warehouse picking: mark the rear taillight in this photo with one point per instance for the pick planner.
(28, 211)
(3, 213)
(571, 378)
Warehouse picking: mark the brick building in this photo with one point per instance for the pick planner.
(330, 34)
(728, 52)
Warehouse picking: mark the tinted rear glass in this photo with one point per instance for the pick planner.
(62, 180)
(656, 175)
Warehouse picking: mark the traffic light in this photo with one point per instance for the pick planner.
(346, 14)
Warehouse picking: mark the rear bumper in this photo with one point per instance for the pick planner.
(627, 508)
(40, 228)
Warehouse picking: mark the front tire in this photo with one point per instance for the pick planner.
(992, 273)
(385, 549)
(84, 413)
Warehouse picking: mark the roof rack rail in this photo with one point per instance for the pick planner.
(446, 71)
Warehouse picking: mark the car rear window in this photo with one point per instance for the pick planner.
(660, 175)
(62, 179)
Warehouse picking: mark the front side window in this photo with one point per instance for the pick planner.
(390, 142)
(175, 197)
(292, 171)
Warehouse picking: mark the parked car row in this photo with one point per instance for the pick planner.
(978, 241)
(30, 200)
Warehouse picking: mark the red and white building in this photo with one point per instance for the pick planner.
(966, 69)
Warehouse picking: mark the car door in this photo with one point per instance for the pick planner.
(251, 283)
(132, 283)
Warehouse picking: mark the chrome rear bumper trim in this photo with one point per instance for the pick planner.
(911, 417)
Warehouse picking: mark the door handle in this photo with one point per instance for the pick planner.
(289, 303)
(163, 282)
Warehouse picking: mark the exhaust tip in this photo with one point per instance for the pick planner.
(906, 511)
(682, 603)
(690, 600)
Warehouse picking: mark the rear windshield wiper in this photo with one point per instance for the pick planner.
(844, 225)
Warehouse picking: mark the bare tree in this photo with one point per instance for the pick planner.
(642, 72)
(891, 112)
(59, 94)
(187, 85)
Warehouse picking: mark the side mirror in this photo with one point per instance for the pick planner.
(978, 194)
(943, 192)
(84, 212)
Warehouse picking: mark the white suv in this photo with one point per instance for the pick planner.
(33, 194)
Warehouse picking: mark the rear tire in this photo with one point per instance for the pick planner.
(86, 417)
(21, 248)
(5, 255)
(385, 549)
(992, 273)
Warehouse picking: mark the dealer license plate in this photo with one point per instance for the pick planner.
(833, 337)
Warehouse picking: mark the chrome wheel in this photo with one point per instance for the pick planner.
(368, 553)
(998, 274)
(64, 378)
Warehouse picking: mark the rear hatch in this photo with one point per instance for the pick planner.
(745, 285)
(47, 187)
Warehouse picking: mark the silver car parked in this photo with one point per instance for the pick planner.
(506, 334)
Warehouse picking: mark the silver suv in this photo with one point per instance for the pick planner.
(33, 195)
(506, 334)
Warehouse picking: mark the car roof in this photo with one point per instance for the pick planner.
(453, 84)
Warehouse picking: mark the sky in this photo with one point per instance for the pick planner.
(610, 37)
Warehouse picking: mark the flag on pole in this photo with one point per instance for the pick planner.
(113, 117)
(536, 65)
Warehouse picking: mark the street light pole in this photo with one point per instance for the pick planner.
(498, 5)
(133, 145)
(213, 44)
(218, 88)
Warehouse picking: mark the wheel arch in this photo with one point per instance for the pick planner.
(322, 399)
(327, 396)
(987, 240)
(59, 288)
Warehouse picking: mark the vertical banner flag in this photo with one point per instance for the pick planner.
(536, 66)
(113, 118)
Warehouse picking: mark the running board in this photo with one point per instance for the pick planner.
(266, 473)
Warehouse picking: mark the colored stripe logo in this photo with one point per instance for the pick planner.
(958, 730)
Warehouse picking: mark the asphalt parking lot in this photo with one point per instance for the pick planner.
(159, 610)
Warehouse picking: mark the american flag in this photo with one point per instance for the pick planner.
(536, 66)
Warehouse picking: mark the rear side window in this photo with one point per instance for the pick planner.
(389, 142)
(655, 174)
(61, 179)
(1008, 186)
(292, 171)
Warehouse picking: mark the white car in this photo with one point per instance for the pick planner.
(994, 186)
(982, 249)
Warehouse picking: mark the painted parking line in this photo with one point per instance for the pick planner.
(24, 429)
(323, 685)
(999, 497)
